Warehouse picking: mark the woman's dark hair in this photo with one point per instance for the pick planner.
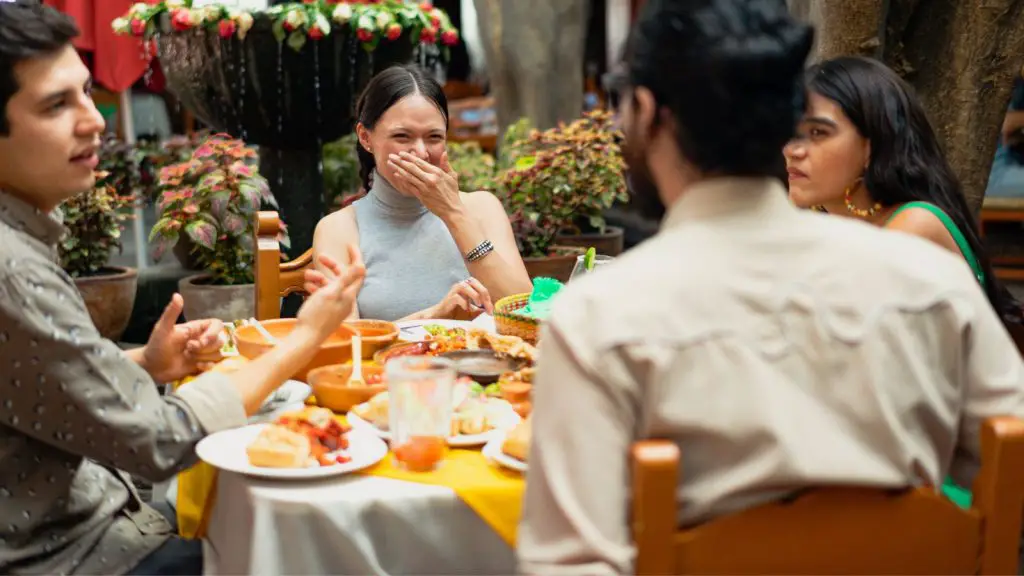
(907, 163)
(383, 92)
(730, 72)
(27, 30)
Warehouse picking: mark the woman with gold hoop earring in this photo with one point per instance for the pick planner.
(866, 150)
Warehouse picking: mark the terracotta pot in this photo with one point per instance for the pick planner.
(609, 242)
(558, 267)
(110, 298)
(227, 303)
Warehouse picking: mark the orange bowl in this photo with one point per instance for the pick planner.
(375, 334)
(331, 389)
(337, 349)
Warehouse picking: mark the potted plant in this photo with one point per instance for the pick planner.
(341, 172)
(582, 164)
(476, 168)
(212, 200)
(95, 220)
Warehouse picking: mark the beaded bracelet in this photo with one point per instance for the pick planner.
(482, 249)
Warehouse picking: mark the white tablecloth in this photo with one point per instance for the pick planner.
(348, 525)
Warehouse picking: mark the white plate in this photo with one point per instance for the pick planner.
(413, 330)
(460, 441)
(492, 451)
(226, 450)
(291, 392)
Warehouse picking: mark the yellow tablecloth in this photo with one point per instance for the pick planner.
(494, 494)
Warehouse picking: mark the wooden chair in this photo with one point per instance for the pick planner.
(275, 279)
(839, 530)
(1002, 210)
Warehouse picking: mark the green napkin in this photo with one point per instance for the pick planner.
(539, 304)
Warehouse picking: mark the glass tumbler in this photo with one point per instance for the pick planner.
(420, 410)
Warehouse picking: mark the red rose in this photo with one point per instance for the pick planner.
(227, 28)
(364, 35)
(426, 6)
(428, 35)
(450, 37)
(138, 27)
(394, 31)
(316, 33)
(180, 20)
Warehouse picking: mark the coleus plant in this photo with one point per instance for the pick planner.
(561, 175)
(95, 221)
(299, 22)
(213, 198)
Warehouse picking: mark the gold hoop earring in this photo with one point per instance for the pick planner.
(858, 212)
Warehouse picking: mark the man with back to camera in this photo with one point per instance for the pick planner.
(736, 331)
(76, 412)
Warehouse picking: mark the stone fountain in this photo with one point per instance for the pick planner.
(284, 76)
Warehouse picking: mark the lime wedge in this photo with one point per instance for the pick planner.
(588, 258)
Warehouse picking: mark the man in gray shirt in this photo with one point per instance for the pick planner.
(77, 414)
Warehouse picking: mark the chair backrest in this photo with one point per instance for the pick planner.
(275, 279)
(838, 530)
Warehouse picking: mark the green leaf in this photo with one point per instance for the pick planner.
(219, 203)
(234, 224)
(296, 40)
(202, 233)
(251, 194)
(525, 162)
(279, 31)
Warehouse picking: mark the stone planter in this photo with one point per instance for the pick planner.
(227, 303)
(558, 266)
(110, 298)
(609, 242)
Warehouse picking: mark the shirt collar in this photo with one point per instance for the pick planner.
(731, 197)
(18, 214)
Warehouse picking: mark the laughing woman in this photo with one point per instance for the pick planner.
(431, 251)
(866, 150)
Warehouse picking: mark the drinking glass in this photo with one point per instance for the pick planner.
(420, 410)
(581, 269)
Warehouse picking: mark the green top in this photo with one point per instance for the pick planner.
(958, 237)
(960, 496)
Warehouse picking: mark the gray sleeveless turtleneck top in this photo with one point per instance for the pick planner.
(411, 259)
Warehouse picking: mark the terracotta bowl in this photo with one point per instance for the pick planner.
(336, 350)
(330, 386)
(376, 335)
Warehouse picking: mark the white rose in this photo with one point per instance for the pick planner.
(366, 22)
(138, 8)
(383, 20)
(343, 13)
(295, 18)
(172, 4)
(121, 25)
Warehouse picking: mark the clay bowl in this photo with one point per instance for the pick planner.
(337, 349)
(331, 389)
(483, 366)
(376, 335)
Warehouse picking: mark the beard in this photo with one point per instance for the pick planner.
(643, 193)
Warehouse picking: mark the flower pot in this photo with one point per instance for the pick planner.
(205, 300)
(558, 266)
(609, 242)
(110, 297)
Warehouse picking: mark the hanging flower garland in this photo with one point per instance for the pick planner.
(299, 22)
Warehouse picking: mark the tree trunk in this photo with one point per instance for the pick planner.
(960, 55)
(534, 52)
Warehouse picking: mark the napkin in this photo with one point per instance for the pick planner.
(544, 291)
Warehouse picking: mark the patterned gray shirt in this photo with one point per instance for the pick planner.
(77, 416)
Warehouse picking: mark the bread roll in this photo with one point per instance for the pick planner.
(517, 443)
(279, 447)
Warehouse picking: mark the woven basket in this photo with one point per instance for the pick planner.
(510, 322)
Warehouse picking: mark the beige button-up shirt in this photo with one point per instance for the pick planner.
(781, 349)
(76, 414)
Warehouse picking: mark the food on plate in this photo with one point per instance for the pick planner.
(310, 437)
(510, 346)
(443, 340)
(473, 412)
(517, 388)
(420, 453)
(517, 442)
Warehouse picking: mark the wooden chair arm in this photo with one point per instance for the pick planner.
(655, 468)
(1000, 497)
(274, 279)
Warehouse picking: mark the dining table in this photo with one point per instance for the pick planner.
(458, 519)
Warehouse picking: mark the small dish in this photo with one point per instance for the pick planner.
(331, 389)
(483, 366)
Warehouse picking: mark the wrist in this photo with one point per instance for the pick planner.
(138, 355)
(303, 338)
(455, 217)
